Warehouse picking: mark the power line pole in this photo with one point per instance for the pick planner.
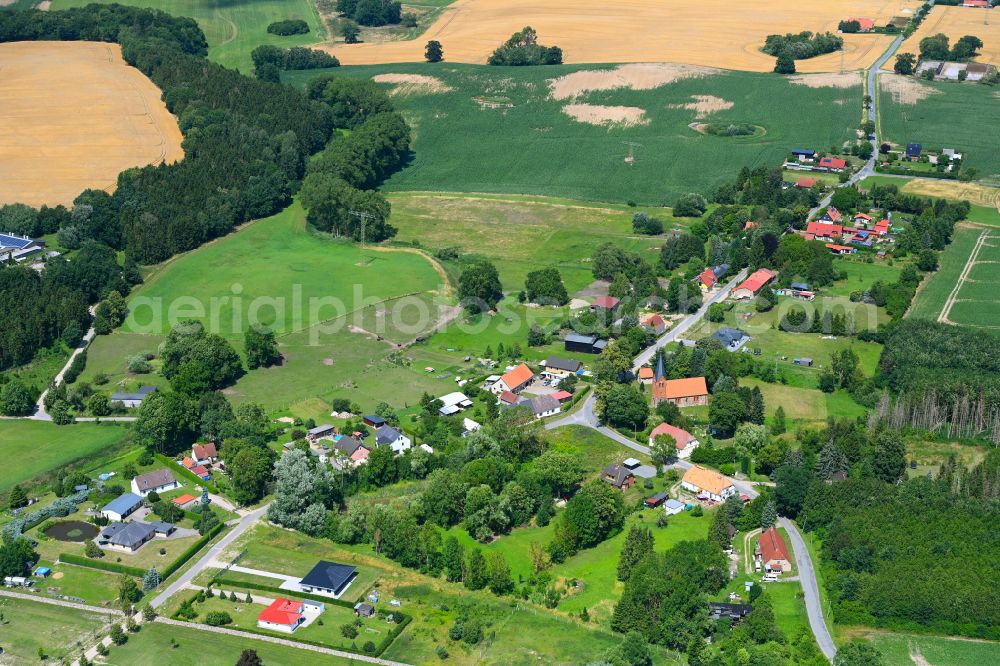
(632, 145)
(364, 216)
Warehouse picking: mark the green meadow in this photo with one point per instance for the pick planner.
(954, 115)
(233, 29)
(496, 129)
(910, 649)
(59, 632)
(34, 448)
(936, 289)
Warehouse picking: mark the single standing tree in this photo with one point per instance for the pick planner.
(476, 574)
(719, 532)
(479, 287)
(638, 544)
(261, 347)
(499, 574)
(17, 498)
(784, 64)
(249, 658)
(433, 51)
(769, 516)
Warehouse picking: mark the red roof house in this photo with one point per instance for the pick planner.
(753, 284)
(708, 279)
(805, 182)
(867, 25)
(509, 398)
(605, 303)
(562, 396)
(882, 227)
(183, 500)
(824, 230)
(774, 552)
(203, 453)
(188, 463)
(981, 4)
(514, 380)
(833, 163)
(831, 215)
(841, 249)
(685, 441)
(656, 323)
(282, 615)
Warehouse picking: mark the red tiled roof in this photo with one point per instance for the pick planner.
(282, 611)
(772, 546)
(757, 280)
(805, 182)
(518, 376)
(183, 499)
(645, 373)
(656, 322)
(202, 451)
(708, 278)
(606, 302)
(562, 395)
(672, 389)
(681, 437)
(750, 225)
(509, 397)
(199, 470)
(838, 248)
(863, 216)
(865, 23)
(833, 214)
(187, 462)
(825, 229)
(882, 226)
(832, 163)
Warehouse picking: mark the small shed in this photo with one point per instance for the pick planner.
(804, 361)
(363, 609)
(656, 500)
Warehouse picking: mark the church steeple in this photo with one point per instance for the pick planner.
(660, 372)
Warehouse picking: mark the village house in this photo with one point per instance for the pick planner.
(823, 231)
(609, 303)
(772, 552)
(514, 380)
(753, 284)
(543, 405)
(683, 440)
(313, 435)
(707, 484)
(558, 368)
(508, 399)
(17, 247)
(866, 24)
(204, 454)
(132, 400)
(832, 164)
(454, 403)
(286, 616)
(731, 338)
(706, 279)
(841, 249)
(831, 215)
(654, 324)
(806, 183)
(159, 480)
(353, 450)
(618, 476)
(330, 579)
(392, 437)
(646, 375)
(130, 537)
(121, 507)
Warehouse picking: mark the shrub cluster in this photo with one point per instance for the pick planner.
(802, 45)
(289, 27)
(523, 49)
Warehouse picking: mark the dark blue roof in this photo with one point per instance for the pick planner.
(803, 151)
(16, 242)
(913, 148)
(123, 503)
(728, 336)
(329, 575)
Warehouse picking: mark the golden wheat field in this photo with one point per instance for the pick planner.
(72, 116)
(956, 22)
(716, 33)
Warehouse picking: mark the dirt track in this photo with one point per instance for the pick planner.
(699, 32)
(72, 116)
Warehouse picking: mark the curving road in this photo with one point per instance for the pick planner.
(586, 416)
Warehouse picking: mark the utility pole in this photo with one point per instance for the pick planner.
(632, 145)
(364, 224)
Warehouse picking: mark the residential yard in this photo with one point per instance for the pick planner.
(92, 586)
(36, 448)
(58, 631)
(233, 29)
(861, 275)
(526, 143)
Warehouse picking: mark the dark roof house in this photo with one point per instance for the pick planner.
(153, 480)
(126, 535)
(565, 364)
(618, 476)
(387, 435)
(329, 577)
(730, 337)
(718, 610)
(914, 149)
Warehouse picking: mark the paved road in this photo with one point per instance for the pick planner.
(810, 590)
(246, 522)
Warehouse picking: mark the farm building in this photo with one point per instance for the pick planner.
(391, 437)
(17, 247)
(978, 4)
(913, 151)
(618, 476)
(133, 400)
(725, 611)
(453, 403)
(159, 480)
(803, 154)
(328, 578)
(731, 338)
(508, 399)
(373, 421)
(121, 507)
(804, 361)
(772, 552)
(683, 440)
(587, 344)
(865, 24)
(707, 484)
(753, 284)
(555, 366)
(514, 380)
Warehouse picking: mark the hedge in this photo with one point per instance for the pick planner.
(186, 473)
(191, 550)
(80, 561)
(253, 585)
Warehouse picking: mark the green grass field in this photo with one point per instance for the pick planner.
(233, 29)
(58, 631)
(976, 300)
(952, 118)
(915, 649)
(34, 448)
(497, 130)
(522, 233)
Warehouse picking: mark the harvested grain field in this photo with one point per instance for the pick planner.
(956, 22)
(905, 89)
(980, 195)
(72, 116)
(609, 116)
(713, 33)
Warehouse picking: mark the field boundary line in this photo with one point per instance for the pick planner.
(970, 262)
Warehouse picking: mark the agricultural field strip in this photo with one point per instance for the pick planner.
(964, 284)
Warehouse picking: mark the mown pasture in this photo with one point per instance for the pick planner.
(497, 129)
(234, 29)
(946, 114)
(910, 649)
(30, 627)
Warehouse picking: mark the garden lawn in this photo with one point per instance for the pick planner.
(163, 645)
(909, 649)
(57, 631)
(94, 587)
(234, 29)
(861, 276)
(35, 448)
(952, 116)
(498, 130)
